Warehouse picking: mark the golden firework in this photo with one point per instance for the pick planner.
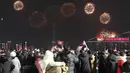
(68, 9)
(18, 5)
(105, 18)
(89, 8)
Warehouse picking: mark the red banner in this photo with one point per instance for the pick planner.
(117, 39)
(17, 47)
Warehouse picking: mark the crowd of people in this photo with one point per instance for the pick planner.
(60, 58)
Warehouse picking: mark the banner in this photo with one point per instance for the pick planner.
(3, 45)
(17, 47)
(117, 39)
(7, 46)
(20, 46)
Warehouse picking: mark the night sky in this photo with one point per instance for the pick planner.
(15, 24)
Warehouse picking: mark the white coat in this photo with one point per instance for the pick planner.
(17, 65)
(48, 60)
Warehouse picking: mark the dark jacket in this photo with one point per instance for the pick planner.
(102, 64)
(7, 66)
(125, 67)
(72, 59)
(112, 64)
(84, 63)
(77, 69)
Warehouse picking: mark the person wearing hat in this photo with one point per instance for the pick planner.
(16, 62)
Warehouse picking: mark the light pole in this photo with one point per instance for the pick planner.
(9, 44)
(53, 34)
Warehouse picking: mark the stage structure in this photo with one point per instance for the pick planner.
(110, 43)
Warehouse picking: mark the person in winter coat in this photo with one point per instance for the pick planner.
(120, 62)
(5, 64)
(77, 53)
(93, 63)
(102, 62)
(48, 63)
(84, 62)
(111, 62)
(16, 62)
(126, 66)
(38, 58)
(70, 59)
